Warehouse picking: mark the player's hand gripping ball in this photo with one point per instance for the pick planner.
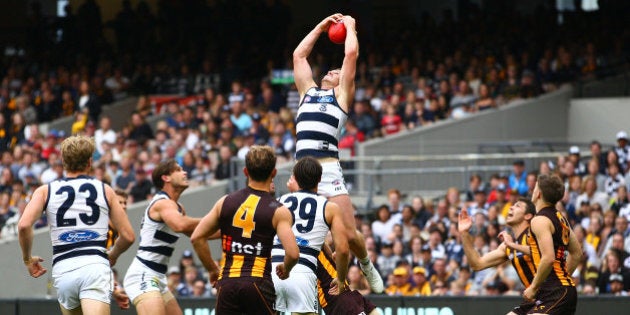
(337, 32)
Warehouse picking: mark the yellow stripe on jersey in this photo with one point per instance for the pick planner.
(528, 258)
(237, 264)
(320, 295)
(520, 271)
(222, 266)
(327, 265)
(259, 267)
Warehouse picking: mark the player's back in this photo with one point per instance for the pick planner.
(309, 226)
(78, 215)
(246, 223)
(558, 275)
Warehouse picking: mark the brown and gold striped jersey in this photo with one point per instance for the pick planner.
(247, 234)
(561, 235)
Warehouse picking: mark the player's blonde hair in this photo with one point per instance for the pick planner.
(76, 152)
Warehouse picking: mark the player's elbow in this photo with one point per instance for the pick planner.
(292, 254)
(128, 236)
(476, 265)
(24, 227)
(546, 260)
(298, 54)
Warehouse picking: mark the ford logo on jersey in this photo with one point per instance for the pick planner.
(325, 99)
(301, 242)
(78, 236)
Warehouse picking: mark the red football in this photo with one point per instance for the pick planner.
(337, 33)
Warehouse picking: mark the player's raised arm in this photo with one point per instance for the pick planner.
(345, 94)
(302, 71)
(476, 261)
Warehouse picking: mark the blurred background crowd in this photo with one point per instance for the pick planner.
(409, 75)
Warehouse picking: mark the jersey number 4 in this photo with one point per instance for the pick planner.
(90, 201)
(244, 216)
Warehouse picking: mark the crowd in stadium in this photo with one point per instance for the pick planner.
(432, 72)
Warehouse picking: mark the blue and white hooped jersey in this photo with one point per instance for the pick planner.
(157, 240)
(78, 215)
(309, 226)
(319, 123)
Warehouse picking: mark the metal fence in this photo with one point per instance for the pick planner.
(429, 176)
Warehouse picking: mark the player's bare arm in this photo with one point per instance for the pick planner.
(509, 242)
(302, 71)
(31, 214)
(121, 223)
(342, 248)
(575, 253)
(477, 262)
(543, 230)
(345, 90)
(208, 226)
(283, 222)
(167, 210)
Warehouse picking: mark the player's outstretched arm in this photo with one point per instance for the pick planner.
(31, 214)
(283, 222)
(168, 211)
(349, 65)
(477, 262)
(118, 216)
(302, 71)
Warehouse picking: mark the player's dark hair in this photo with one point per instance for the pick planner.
(551, 188)
(307, 172)
(260, 162)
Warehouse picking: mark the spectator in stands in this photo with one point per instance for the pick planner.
(356, 280)
(474, 184)
(614, 179)
(88, 101)
(400, 285)
(141, 188)
(223, 169)
(140, 129)
(104, 134)
(439, 274)
(118, 84)
(612, 266)
(597, 154)
(590, 195)
(528, 86)
(623, 151)
(386, 260)
(421, 214)
(240, 119)
(383, 225)
(574, 157)
(593, 168)
(517, 178)
(363, 118)
(391, 123)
